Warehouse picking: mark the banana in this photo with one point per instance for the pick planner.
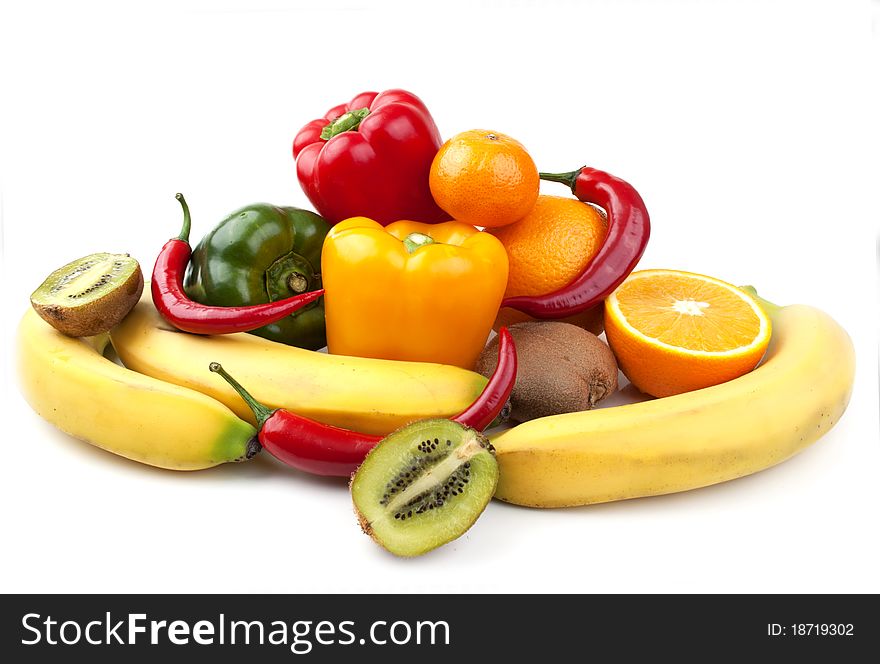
(691, 440)
(72, 385)
(367, 395)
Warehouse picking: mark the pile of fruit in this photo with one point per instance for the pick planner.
(451, 296)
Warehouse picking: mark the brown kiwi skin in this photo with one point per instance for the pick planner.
(364, 522)
(562, 368)
(95, 317)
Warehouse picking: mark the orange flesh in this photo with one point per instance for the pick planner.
(688, 314)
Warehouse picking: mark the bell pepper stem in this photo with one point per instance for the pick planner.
(184, 231)
(297, 283)
(261, 413)
(345, 122)
(562, 178)
(415, 240)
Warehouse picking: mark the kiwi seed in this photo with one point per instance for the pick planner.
(424, 485)
(562, 368)
(89, 295)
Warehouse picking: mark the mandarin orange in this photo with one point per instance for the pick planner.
(484, 178)
(551, 245)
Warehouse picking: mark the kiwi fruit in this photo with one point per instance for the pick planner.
(562, 368)
(424, 485)
(90, 295)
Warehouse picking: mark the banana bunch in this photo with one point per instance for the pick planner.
(690, 440)
(72, 385)
(166, 409)
(368, 395)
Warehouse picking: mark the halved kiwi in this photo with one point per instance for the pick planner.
(424, 485)
(89, 295)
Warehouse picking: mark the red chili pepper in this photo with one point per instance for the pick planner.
(494, 397)
(172, 302)
(323, 449)
(628, 230)
(370, 158)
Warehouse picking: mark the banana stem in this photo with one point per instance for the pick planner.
(769, 308)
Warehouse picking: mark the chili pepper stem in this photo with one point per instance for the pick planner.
(261, 412)
(562, 178)
(187, 222)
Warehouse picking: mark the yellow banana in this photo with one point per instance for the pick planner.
(690, 440)
(368, 395)
(72, 385)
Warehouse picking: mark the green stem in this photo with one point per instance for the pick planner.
(345, 122)
(769, 308)
(562, 178)
(184, 232)
(415, 240)
(261, 413)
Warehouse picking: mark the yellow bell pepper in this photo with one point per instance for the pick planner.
(411, 291)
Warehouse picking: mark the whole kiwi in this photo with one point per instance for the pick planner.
(562, 368)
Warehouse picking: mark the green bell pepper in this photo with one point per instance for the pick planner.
(262, 253)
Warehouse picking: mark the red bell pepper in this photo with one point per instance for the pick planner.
(370, 158)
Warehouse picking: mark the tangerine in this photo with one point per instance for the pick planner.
(484, 178)
(551, 245)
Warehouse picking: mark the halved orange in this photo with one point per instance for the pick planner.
(674, 331)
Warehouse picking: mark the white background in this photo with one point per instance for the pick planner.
(749, 128)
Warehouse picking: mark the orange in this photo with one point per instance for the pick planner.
(551, 245)
(674, 332)
(484, 178)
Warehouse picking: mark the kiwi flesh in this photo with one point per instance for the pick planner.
(90, 295)
(424, 485)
